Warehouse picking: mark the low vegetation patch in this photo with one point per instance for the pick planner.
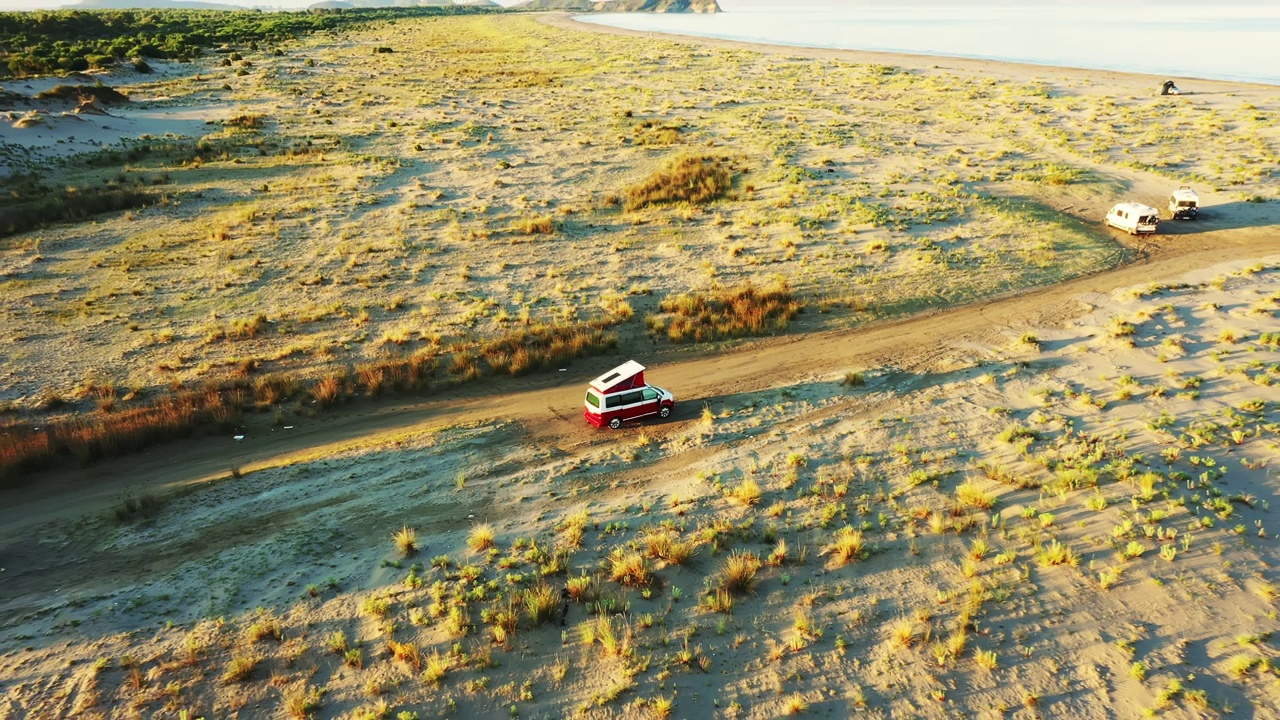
(693, 179)
(68, 205)
(70, 40)
(220, 404)
(99, 93)
(540, 347)
(737, 312)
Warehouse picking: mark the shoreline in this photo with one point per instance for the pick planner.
(915, 61)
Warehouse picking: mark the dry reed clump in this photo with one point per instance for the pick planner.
(406, 540)
(541, 603)
(246, 121)
(845, 547)
(328, 391)
(537, 225)
(738, 574)
(694, 179)
(735, 312)
(521, 351)
(630, 569)
(123, 430)
(219, 404)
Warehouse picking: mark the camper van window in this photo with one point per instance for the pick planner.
(592, 400)
(613, 401)
(650, 394)
(631, 398)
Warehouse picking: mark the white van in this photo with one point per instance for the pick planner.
(1184, 204)
(1134, 218)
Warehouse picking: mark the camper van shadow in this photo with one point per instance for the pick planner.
(1227, 216)
(888, 380)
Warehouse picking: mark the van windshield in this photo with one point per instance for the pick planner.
(592, 399)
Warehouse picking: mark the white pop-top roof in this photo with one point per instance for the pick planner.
(617, 376)
(1136, 208)
(1184, 194)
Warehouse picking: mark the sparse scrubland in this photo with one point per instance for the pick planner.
(1081, 527)
(1070, 518)
(347, 208)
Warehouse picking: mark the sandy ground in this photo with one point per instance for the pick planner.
(61, 132)
(371, 214)
(1148, 445)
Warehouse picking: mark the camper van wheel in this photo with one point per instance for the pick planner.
(615, 423)
(664, 412)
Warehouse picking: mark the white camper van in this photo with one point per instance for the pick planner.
(1184, 204)
(1134, 218)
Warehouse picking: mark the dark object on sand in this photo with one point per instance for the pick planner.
(99, 93)
(1169, 88)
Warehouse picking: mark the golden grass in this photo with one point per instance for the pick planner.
(220, 403)
(846, 546)
(747, 492)
(630, 569)
(729, 313)
(738, 572)
(406, 540)
(693, 179)
(481, 537)
(541, 603)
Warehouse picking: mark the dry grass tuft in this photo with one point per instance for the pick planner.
(845, 547)
(1055, 553)
(407, 653)
(539, 347)
(541, 603)
(302, 700)
(630, 569)
(738, 573)
(691, 179)
(731, 313)
(406, 540)
(437, 666)
(481, 537)
(747, 493)
(240, 668)
(538, 225)
(970, 495)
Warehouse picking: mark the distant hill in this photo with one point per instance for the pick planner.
(348, 4)
(151, 5)
(576, 5)
(661, 6)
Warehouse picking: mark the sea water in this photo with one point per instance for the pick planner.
(1171, 40)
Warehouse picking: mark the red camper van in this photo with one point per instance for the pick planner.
(622, 394)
